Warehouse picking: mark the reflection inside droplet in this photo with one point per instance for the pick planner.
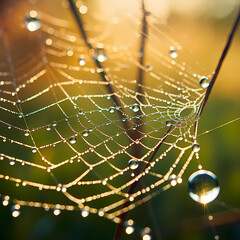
(203, 186)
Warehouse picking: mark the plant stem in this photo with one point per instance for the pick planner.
(103, 74)
(119, 228)
(220, 62)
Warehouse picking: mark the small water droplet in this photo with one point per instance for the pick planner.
(129, 230)
(100, 213)
(168, 123)
(203, 186)
(72, 139)
(54, 123)
(173, 53)
(85, 133)
(48, 128)
(133, 164)
(149, 68)
(195, 147)
(100, 54)
(12, 161)
(204, 82)
(18, 101)
(85, 212)
(56, 210)
(15, 209)
(80, 112)
(111, 109)
(26, 133)
(135, 107)
(146, 234)
(32, 23)
(34, 150)
(81, 60)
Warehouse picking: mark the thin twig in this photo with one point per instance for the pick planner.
(142, 50)
(103, 74)
(119, 228)
(219, 65)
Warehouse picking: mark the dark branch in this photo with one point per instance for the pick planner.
(119, 228)
(103, 74)
(220, 62)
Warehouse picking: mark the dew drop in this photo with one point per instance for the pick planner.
(133, 164)
(204, 82)
(5, 201)
(85, 212)
(203, 186)
(80, 112)
(135, 107)
(129, 226)
(168, 123)
(34, 150)
(129, 230)
(15, 209)
(195, 147)
(100, 213)
(149, 68)
(100, 54)
(63, 188)
(56, 210)
(81, 60)
(146, 234)
(26, 133)
(111, 109)
(85, 133)
(12, 161)
(32, 23)
(48, 128)
(72, 139)
(54, 123)
(173, 53)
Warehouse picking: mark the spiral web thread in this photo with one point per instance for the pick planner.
(63, 133)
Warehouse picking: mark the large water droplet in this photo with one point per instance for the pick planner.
(100, 54)
(32, 23)
(173, 53)
(133, 164)
(203, 186)
(204, 82)
(72, 139)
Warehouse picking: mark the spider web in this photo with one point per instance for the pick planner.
(68, 137)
